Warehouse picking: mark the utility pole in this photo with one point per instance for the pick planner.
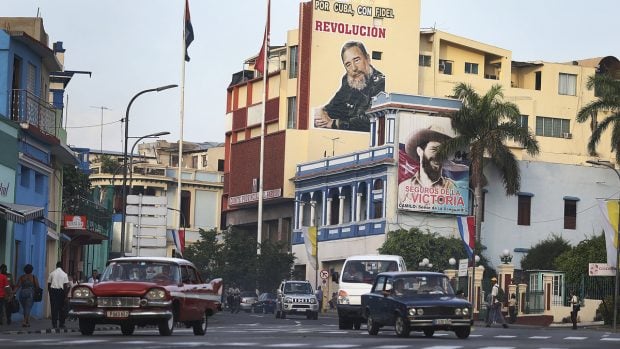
(101, 129)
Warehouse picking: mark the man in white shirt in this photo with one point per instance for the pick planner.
(57, 286)
(495, 310)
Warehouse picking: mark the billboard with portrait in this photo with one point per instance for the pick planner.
(424, 183)
(357, 46)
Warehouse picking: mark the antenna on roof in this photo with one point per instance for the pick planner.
(38, 12)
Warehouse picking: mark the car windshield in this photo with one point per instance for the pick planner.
(298, 287)
(364, 271)
(421, 285)
(266, 296)
(142, 271)
(248, 294)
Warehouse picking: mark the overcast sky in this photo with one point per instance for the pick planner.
(132, 45)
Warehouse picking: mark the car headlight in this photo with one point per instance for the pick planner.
(457, 312)
(465, 311)
(288, 300)
(312, 300)
(411, 311)
(420, 311)
(82, 292)
(155, 294)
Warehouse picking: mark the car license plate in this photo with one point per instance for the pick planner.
(442, 322)
(117, 313)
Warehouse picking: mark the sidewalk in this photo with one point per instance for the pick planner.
(41, 326)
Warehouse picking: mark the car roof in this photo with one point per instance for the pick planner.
(179, 261)
(412, 273)
(376, 257)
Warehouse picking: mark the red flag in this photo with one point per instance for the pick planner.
(188, 31)
(260, 60)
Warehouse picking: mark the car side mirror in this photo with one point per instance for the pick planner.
(279, 292)
(335, 276)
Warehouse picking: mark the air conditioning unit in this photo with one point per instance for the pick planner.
(567, 135)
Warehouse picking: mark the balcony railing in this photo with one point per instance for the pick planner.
(26, 107)
(99, 218)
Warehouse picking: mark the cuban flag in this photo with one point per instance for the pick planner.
(467, 229)
(188, 31)
(178, 236)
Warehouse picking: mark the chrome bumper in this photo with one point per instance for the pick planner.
(135, 314)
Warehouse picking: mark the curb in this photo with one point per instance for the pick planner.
(57, 330)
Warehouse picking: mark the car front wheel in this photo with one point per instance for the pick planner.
(373, 327)
(200, 326)
(401, 326)
(166, 326)
(462, 332)
(87, 327)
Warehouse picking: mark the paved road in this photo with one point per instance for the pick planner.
(264, 331)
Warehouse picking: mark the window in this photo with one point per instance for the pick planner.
(25, 177)
(186, 202)
(471, 68)
(567, 84)
(523, 121)
(570, 213)
(538, 83)
(376, 55)
(552, 127)
(204, 161)
(220, 164)
(39, 183)
(445, 67)
(424, 61)
(524, 207)
(291, 121)
(194, 161)
(32, 78)
(293, 66)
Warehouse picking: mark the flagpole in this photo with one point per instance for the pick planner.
(259, 235)
(181, 121)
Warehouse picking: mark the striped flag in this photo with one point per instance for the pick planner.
(264, 50)
(178, 236)
(188, 31)
(467, 229)
(309, 235)
(609, 210)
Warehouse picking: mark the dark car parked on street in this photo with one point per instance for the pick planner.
(416, 301)
(265, 304)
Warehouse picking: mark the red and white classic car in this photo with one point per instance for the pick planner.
(139, 291)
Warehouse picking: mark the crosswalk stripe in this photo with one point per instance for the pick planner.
(611, 339)
(540, 337)
(575, 338)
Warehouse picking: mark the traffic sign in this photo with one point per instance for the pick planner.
(324, 274)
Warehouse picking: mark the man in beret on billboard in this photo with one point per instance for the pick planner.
(422, 145)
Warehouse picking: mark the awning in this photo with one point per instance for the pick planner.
(20, 213)
(84, 237)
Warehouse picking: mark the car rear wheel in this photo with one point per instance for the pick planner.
(402, 327)
(200, 326)
(127, 329)
(462, 332)
(373, 327)
(87, 327)
(357, 324)
(166, 326)
(429, 333)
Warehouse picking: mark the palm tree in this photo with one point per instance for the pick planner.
(607, 90)
(484, 124)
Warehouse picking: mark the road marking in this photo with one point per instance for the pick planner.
(239, 344)
(540, 337)
(497, 348)
(443, 347)
(287, 345)
(339, 346)
(137, 342)
(34, 340)
(393, 346)
(575, 338)
(505, 336)
(611, 339)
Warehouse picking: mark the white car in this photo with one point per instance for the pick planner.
(296, 297)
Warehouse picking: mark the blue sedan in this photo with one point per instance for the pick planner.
(416, 301)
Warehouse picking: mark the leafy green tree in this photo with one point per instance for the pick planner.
(109, 164)
(274, 265)
(542, 255)
(607, 90)
(75, 183)
(484, 124)
(206, 254)
(414, 245)
(574, 262)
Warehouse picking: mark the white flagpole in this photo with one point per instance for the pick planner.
(259, 236)
(181, 117)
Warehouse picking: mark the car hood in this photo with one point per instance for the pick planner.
(298, 295)
(442, 301)
(126, 288)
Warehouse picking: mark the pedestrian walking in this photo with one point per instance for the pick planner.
(8, 294)
(495, 314)
(4, 293)
(57, 286)
(574, 302)
(319, 297)
(26, 284)
(512, 308)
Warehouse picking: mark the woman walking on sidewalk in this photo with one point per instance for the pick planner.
(27, 283)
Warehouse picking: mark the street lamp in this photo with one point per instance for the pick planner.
(152, 135)
(611, 167)
(505, 256)
(124, 187)
(425, 263)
